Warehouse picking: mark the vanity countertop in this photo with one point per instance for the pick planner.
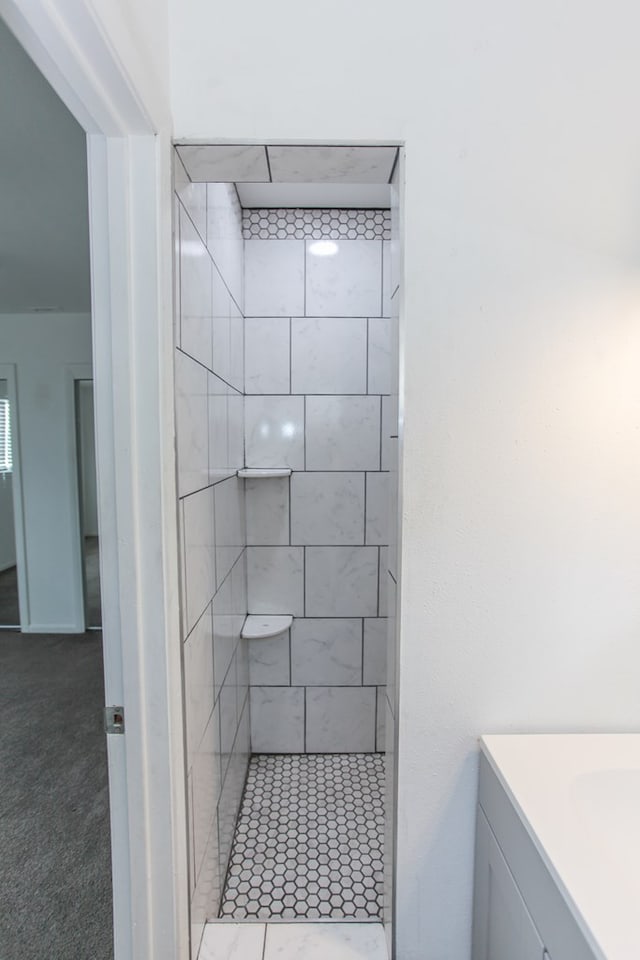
(578, 796)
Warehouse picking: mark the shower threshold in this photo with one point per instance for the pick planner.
(308, 842)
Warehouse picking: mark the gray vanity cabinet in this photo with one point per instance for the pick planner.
(519, 912)
(502, 925)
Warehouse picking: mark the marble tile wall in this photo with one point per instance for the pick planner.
(318, 384)
(209, 378)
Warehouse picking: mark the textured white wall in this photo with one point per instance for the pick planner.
(521, 549)
(137, 30)
(42, 348)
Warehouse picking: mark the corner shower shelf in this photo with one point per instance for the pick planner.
(253, 473)
(257, 627)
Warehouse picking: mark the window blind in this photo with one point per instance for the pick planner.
(6, 459)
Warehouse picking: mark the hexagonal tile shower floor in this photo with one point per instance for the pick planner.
(309, 839)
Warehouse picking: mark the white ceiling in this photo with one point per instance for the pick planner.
(296, 176)
(44, 224)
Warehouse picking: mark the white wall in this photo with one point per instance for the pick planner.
(137, 29)
(521, 305)
(42, 348)
(7, 532)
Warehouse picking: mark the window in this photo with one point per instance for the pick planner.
(6, 460)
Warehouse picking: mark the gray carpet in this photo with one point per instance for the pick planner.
(55, 871)
(9, 611)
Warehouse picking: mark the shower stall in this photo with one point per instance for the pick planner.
(286, 373)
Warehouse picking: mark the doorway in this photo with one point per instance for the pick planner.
(287, 434)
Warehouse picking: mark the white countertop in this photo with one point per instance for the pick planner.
(579, 798)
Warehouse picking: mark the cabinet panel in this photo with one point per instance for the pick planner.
(502, 926)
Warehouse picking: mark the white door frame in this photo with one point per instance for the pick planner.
(130, 233)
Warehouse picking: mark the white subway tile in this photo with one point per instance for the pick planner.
(192, 195)
(218, 429)
(384, 580)
(327, 508)
(242, 675)
(191, 424)
(274, 278)
(216, 163)
(239, 594)
(267, 505)
(341, 581)
(235, 430)
(236, 349)
(267, 355)
(230, 525)
(326, 652)
(386, 278)
(206, 787)
(228, 716)
(276, 580)
(225, 634)
(342, 433)
(374, 669)
(224, 235)
(341, 719)
(195, 293)
(206, 894)
(378, 508)
(325, 941)
(198, 681)
(176, 271)
(183, 571)
(379, 355)
(392, 626)
(221, 328)
(277, 719)
(231, 795)
(348, 284)
(389, 435)
(274, 432)
(232, 941)
(199, 553)
(330, 164)
(329, 355)
(381, 719)
(269, 661)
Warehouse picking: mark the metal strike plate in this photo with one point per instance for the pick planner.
(114, 719)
